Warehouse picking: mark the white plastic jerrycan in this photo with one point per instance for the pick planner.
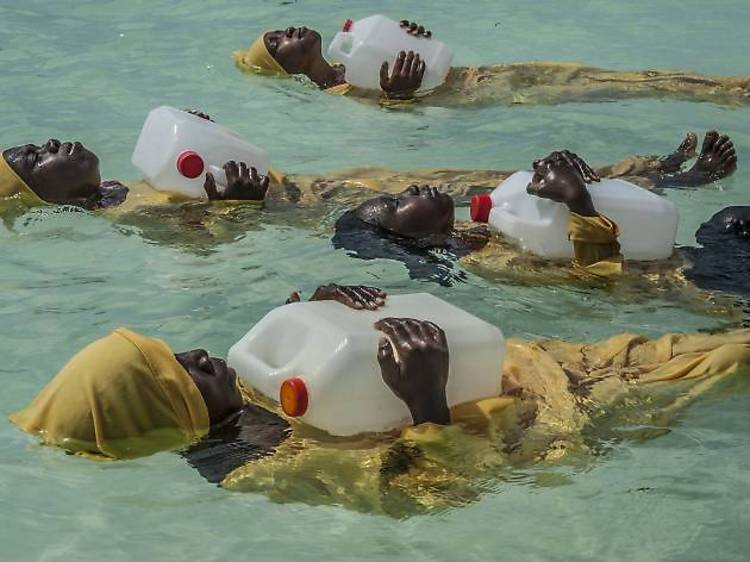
(365, 44)
(176, 149)
(647, 222)
(319, 360)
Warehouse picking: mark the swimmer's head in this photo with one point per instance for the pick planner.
(123, 396)
(419, 212)
(296, 49)
(216, 381)
(57, 172)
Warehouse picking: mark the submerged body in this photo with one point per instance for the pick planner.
(552, 83)
(557, 397)
(126, 396)
(297, 51)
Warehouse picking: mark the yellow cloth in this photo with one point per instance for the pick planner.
(340, 90)
(142, 195)
(595, 245)
(258, 59)
(13, 186)
(121, 397)
(553, 391)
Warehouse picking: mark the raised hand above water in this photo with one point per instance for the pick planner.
(243, 184)
(406, 77)
(414, 361)
(562, 176)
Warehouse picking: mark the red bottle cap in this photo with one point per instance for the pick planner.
(190, 164)
(481, 205)
(348, 25)
(293, 397)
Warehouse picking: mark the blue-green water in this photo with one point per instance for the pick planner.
(90, 70)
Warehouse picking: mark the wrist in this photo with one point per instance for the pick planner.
(582, 205)
(401, 96)
(324, 292)
(431, 411)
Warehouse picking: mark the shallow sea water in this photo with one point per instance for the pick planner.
(90, 70)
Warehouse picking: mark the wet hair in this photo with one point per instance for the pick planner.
(722, 262)
(424, 260)
(250, 435)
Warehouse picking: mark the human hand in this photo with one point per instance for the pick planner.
(199, 113)
(358, 297)
(562, 177)
(111, 193)
(406, 78)
(413, 28)
(414, 361)
(243, 184)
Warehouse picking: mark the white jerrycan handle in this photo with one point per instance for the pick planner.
(334, 50)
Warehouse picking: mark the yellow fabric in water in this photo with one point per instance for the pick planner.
(13, 186)
(595, 245)
(553, 391)
(340, 90)
(121, 397)
(258, 59)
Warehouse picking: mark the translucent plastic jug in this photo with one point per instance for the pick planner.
(323, 357)
(647, 222)
(176, 149)
(365, 44)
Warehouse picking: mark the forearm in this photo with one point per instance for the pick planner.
(432, 410)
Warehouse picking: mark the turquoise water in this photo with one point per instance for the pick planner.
(90, 70)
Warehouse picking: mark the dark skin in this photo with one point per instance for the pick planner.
(717, 160)
(298, 51)
(216, 381)
(414, 360)
(406, 77)
(58, 172)
(416, 369)
(419, 212)
(358, 297)
(562, 176)
(68, 173)
(243, 184)
(415, 29)
(426, 214)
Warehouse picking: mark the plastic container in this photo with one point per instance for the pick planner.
(647, 222)
(365, 44)
(319, 360)
(175, 150)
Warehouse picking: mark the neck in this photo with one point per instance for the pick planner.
(323, 74)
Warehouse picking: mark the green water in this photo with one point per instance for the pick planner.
(91, 70)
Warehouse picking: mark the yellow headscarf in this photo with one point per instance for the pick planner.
(258, 59)
(121, 397)
(13, 186)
